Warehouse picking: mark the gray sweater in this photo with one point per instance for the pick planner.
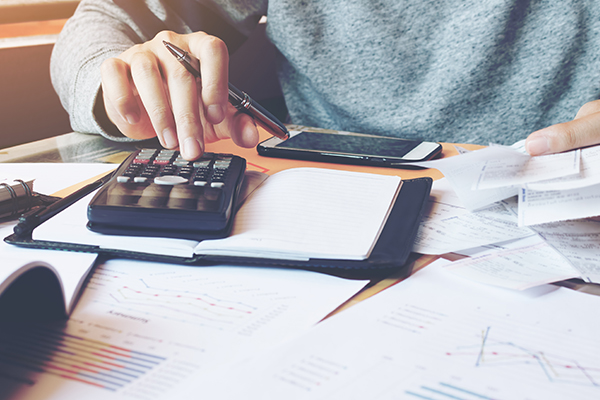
(470, 71)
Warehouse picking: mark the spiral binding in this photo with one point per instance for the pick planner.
(15, 198)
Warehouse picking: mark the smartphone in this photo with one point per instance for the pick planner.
(350, 148)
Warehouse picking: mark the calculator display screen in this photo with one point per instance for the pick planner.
(350, 144)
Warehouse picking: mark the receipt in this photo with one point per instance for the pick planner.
(538, 207)
(518, 265)
(579, 242)
(518, 169)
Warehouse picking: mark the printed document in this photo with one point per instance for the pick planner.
(146, 330)
(434, 336)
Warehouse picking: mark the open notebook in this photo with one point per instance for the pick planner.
(310, 218)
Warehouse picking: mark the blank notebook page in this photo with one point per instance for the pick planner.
(306, 213)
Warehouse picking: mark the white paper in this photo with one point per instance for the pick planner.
(434, 336)
(462, 171)
(146, 330)
(539, 207)
(449, 228)
(52, 177)
(588, 175)
(520, 169)
(311, 213)
(519, 265)
(579, 242)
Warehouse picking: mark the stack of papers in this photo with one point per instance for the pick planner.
(523, 221)
(550, 188)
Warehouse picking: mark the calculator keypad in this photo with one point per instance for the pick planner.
(164, 179)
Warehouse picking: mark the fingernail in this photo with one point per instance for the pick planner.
(191, 149)
(214, 112)
(169, 138)
(538, 145)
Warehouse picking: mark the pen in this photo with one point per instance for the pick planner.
(237, 98)
(27, 222)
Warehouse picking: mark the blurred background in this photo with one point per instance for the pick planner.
(29, 108)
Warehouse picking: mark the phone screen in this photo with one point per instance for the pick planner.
(383, 147)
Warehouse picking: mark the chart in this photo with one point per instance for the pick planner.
(492, 353)
(92, 362)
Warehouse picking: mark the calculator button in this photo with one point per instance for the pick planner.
(217, 185)
(200, 183)
(183, 197)
(155, 196)
(140, 179)
(169, 180)
(123, 179)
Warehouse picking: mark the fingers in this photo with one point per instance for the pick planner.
(146, 73)
(581, 132)
(148, 93)
(116, 87)
(214, 68)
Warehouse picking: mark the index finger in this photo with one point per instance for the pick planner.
(214, 67)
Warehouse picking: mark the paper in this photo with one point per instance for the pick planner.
(537, 207)
(554, 187)
(52, 177)
(70, 268)
(449, 227)
(463, 171)
(434, 336)
(307, 213)
(146, 330)
(589, 174)
(519, 265)
(579, 242)
(510, 171)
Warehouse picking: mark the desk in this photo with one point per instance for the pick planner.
(83, 148)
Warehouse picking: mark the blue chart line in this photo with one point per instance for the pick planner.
(445, 391)
(492, 353)
(75, 358)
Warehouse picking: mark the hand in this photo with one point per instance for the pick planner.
(148, 93)
(583, 131)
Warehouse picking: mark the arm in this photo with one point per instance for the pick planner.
(115, 77)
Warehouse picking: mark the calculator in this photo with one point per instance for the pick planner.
(158, 193)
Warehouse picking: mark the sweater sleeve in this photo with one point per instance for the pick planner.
(101, 29)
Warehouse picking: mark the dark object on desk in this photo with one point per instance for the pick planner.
(349, 148)
(237, 98)
(10, 209)
(158, 193)
(28, 221)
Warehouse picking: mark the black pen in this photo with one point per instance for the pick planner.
(30, 220)
(238, 98)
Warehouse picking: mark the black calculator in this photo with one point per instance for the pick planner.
(159, 193)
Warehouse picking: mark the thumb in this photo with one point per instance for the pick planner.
(581, 132)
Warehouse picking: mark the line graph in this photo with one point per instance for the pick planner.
(180, 298)
(497, 353)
